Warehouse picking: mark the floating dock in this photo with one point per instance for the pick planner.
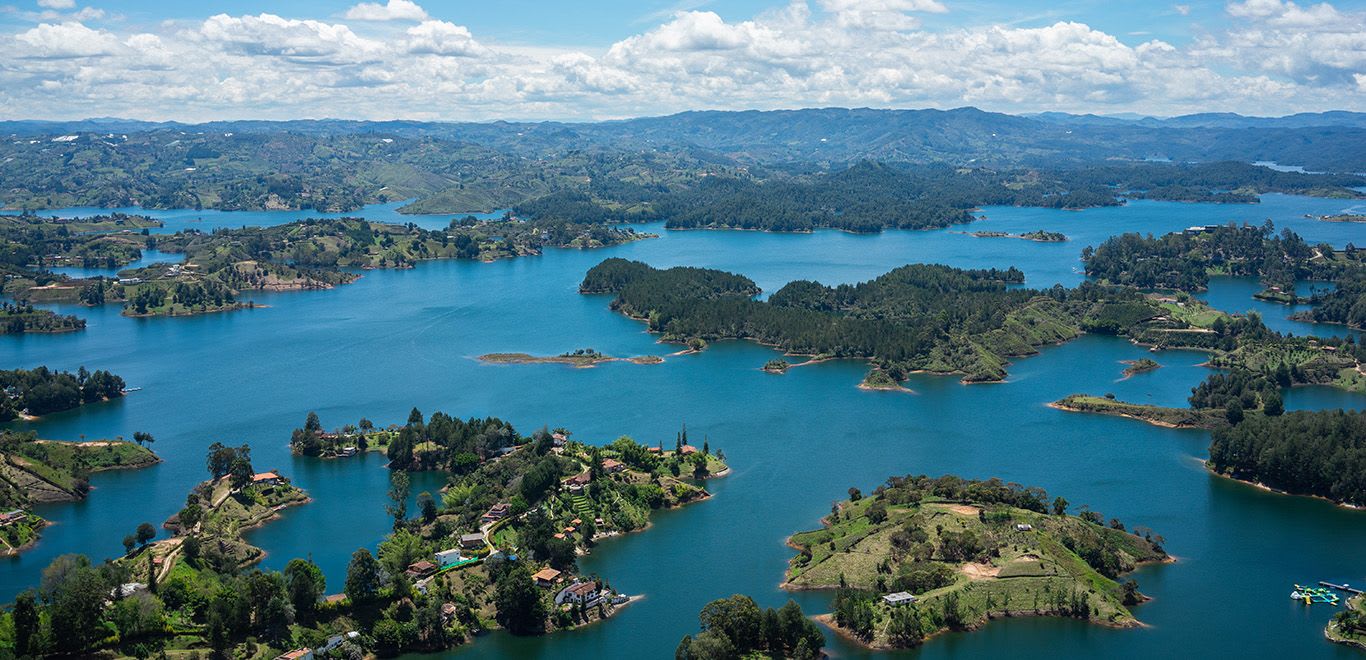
(1342, 587)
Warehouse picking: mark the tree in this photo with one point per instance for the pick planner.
(26, 624)
(362, 577)
(1234, 411)
(519, 606)
(76, 609)
(427, 504)
(1272, 405)
(398, 497)
(128, 542)
(737, 618)
(305, 585)
(312, 424)
(146, 532)
(143, 438)
(1059, 506)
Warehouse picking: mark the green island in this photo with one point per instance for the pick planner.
(22, 318)
(30, 393)
(777, 366)
(1176, 418)
(946, 320)
(301, 255)
(1349, 626)
(735, 627)
(922, 555)
(497, 549)
(581, 358)
(34, 471)
(1141, 365)
(1343, 217)
(880, 380)
(1039, 235)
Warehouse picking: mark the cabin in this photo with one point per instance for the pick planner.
(898, 599)
(471, 541)
(297, 654)
(420, 569)
(1023, 527)
(613, 466)
(546, 577)
(579, 592)
(687, 450)
(557, 439)
(497, 512)
(267, 479)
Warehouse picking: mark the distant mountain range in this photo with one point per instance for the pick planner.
(1328, 141)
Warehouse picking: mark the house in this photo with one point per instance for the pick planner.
(497, 512)
(471, 541)
(337, 640)
(559, 536)
(613, 466)
(447, 557)
(1023, 527)
(687, 450)
(334, 599)
(127, 589)
(898, 599)
(447, 612)
(267, 479)
(557, 439)
(577, 482)
(10, 517)
(655, 450)
(420, 569)
(579, 592)
(296, 654)
(546, 577)
(128, 281)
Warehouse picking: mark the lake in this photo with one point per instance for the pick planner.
(398, 339)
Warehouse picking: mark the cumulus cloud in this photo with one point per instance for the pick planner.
(1269, 57)
(394, 10)
(57, 4)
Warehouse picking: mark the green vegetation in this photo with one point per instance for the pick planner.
(735, 627)
(20, 318)
(101, 241)
(582, 358)
(1320, 453)
(41, 391)
(777, 366)
(1039, 236)
(918, 317)
(1345, 303)
(969, 551)
(1343, 217)
(1177, 418)
(1349, 626)
(1139, 366)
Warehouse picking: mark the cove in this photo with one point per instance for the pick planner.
(796, 442)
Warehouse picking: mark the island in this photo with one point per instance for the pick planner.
(29, 393)
(22, 318)
(1139, 366)
(922, 555)
(1039, 236)
(1349, 626)
(777, 366)
(37, 471)
(880, 380)
(1343, 217)
(582, 358)
(735, 627)
(1174, 418)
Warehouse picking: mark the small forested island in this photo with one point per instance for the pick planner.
(40, 391)
(1349, 626)
(1277, 295)
(1176, 418)
(34, 471)
(921, 555)
(950, 321)
(1319, 453)
(1039, 236)
(878, 379)
(22, 318)
(735, 627)
(582, 358)
(1141, 365)
(1343, 217)
(777, 366)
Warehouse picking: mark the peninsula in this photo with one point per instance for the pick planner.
(30, 393)
(581, 358)
(919, 556)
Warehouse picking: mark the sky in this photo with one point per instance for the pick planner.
(462, 60)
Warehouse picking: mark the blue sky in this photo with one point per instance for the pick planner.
(598, 59)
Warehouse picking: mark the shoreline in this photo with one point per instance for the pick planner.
(1058, 405)
(577, 362)
(1276, 491)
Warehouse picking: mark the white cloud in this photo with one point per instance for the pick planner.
(65, 40)
(1270, 57)
(394, 10)
(57, 4)
(441, 38)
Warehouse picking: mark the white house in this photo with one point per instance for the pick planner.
(579, 592)
(446, 557)
(898, 599)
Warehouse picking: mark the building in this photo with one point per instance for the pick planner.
(471, 541)
(577, 482)
(546, 577)
(337, 640)
(579, 592)
(296, 654)
(10, 517)
(447, 557)
(612, 465)
(1023, 527)
(687, 450)
(898, 599)
(267, 479)
(420, 569)
(497, 512)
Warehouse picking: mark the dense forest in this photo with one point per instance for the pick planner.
(1345, 303)
(1313, 453)
(20, 318)
(41, 391)
(915, 317)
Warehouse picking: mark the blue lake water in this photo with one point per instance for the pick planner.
(797, 442)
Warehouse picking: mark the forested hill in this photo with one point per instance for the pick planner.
(917, 317)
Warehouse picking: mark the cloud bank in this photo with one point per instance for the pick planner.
(387, 60)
